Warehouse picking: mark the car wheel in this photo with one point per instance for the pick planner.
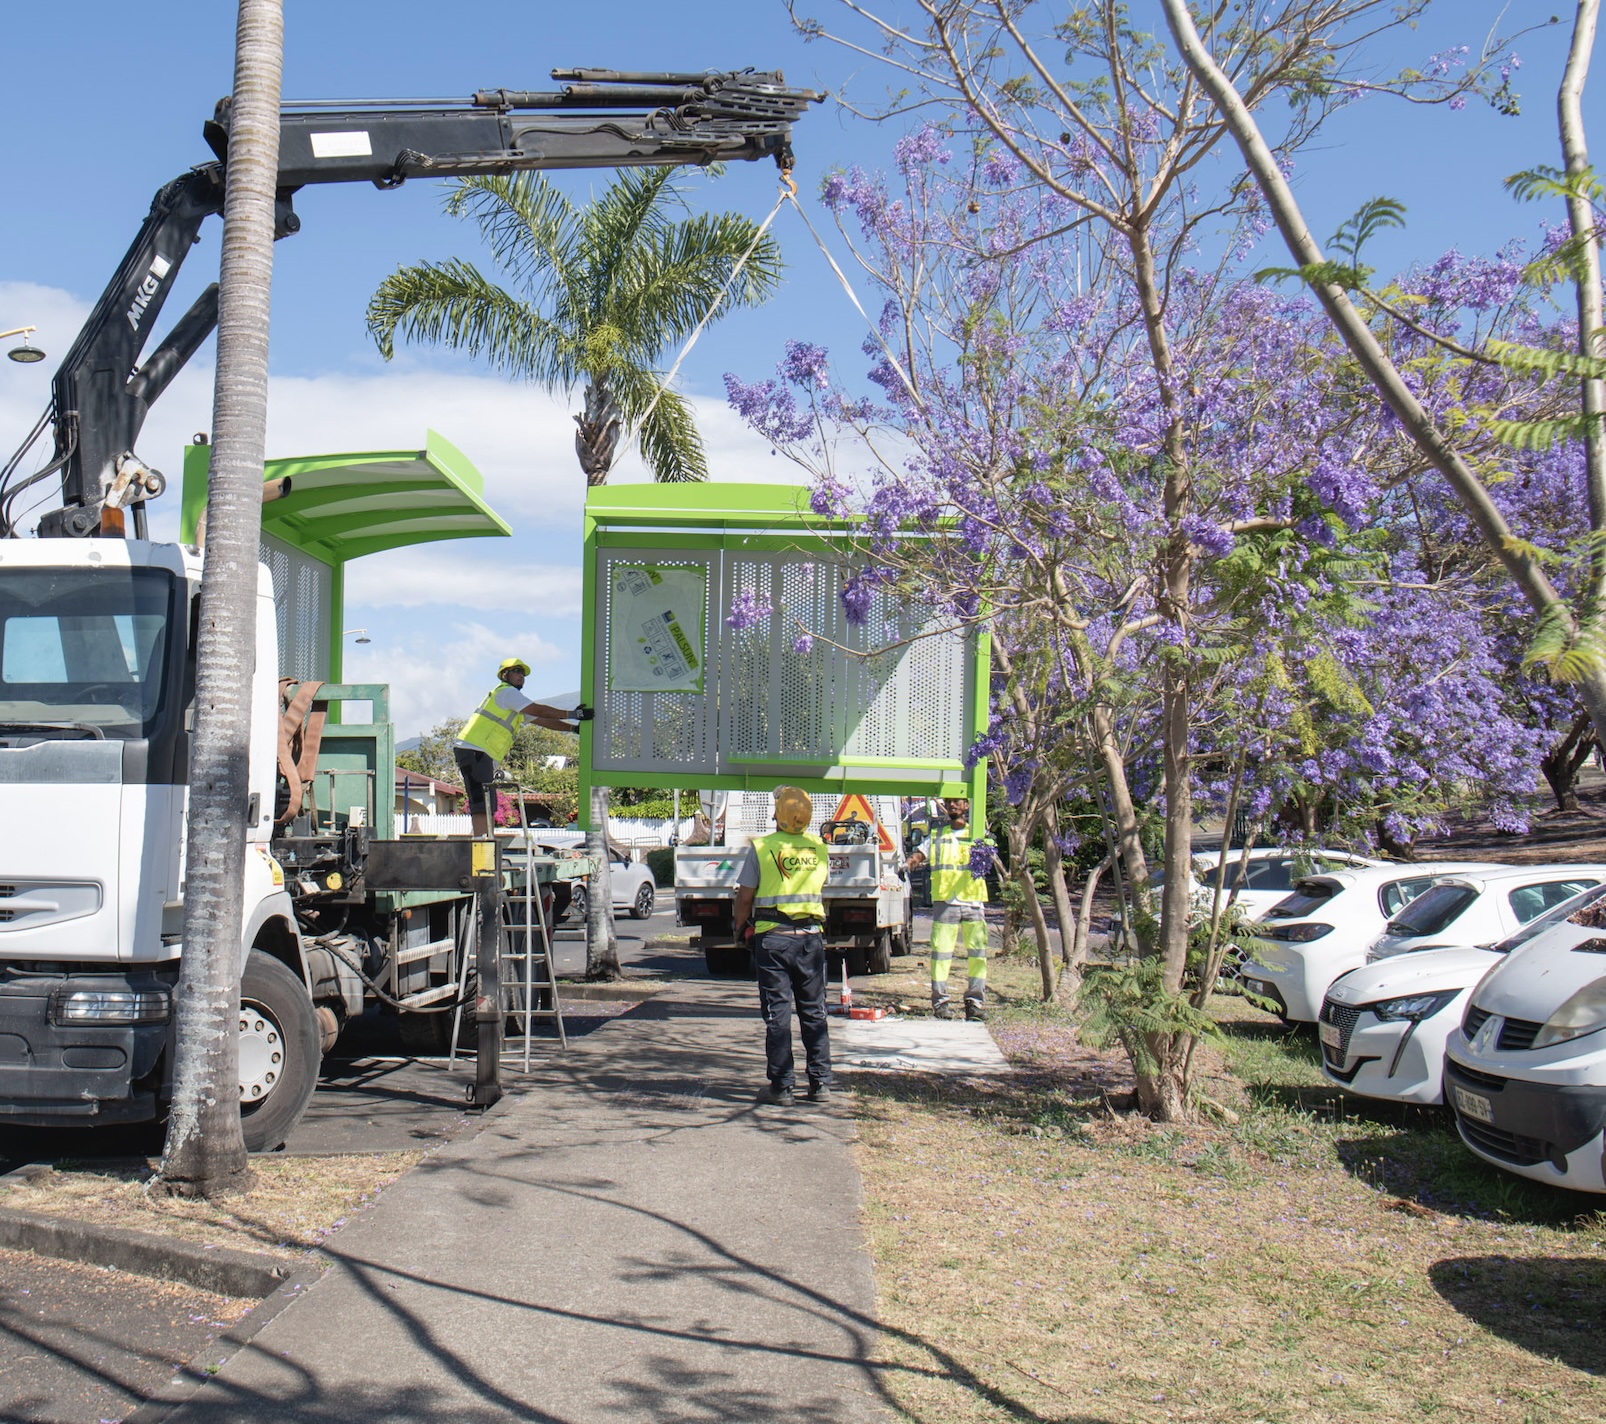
(280, 1052)
(578, 903)
(641, 907)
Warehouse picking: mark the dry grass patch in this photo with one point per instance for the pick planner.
(1039, 1258)
(296, 1203)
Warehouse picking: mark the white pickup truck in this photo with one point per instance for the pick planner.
(868, 909)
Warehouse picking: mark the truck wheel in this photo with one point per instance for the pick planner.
(279, 1052)
(881, 953)
(857, 959)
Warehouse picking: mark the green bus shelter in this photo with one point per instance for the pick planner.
(718, 656)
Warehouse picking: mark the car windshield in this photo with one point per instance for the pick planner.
(83, 651)
(1577, 910)
(1434, 910)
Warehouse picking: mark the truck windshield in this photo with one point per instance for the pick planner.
(83, 651)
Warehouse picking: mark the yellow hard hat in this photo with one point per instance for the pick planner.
(513, 665)
(793, 809)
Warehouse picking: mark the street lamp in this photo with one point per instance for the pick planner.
(362, 634)
(27, 353)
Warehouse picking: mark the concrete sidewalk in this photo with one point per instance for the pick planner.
(630, 1239)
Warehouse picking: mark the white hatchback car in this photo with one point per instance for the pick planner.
(1256, 885)
(1481, 907)
(1326, 926)
(1384, 1027)
(1525, 1072)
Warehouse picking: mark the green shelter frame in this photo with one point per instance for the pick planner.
(887, 708)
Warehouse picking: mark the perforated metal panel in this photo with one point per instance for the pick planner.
(302, 589)
(894, 688)
(652, 731)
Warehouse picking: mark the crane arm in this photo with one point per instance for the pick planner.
(597, 118)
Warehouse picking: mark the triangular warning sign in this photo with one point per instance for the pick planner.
(855, 807)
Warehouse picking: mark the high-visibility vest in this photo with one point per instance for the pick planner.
(791, 876)
(948, 855)
(492, 725)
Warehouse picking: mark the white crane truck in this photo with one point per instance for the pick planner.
(97, 655)
(869, 914)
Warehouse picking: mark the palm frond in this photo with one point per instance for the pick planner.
(670, 445)
(454, 305)
(672, 285)
(530, 227)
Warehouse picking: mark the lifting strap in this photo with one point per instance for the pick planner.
(300, 735)
(788, 194)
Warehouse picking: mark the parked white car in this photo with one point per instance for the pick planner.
(1525, 1072)
(1384, 1028)
(1326, 926)
(1267, 877)
(634, 890)
(1481, 907)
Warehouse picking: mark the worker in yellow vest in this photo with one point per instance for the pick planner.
(487, 736)
(780, 891)
(957, 917)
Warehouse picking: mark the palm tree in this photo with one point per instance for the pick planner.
(205, 1150)
(600, 293)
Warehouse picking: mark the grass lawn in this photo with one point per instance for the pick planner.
(1042, 1257)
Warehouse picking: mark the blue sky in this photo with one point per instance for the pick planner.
(107, 103)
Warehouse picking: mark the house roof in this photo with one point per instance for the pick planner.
(418, 779)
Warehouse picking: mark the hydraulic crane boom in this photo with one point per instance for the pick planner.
(598, 118)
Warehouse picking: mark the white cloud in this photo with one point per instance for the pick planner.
(454, 576)
(439, 673)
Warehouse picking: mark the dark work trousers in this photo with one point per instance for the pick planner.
(790, 964)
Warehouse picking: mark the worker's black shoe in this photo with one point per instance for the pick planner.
(819, 1092)
(771, 1096)
(974, 1013)
(942, 1010)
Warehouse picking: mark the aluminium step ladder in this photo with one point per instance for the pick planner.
(529, 978)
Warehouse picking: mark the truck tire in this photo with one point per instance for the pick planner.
(857, 959)
(880, 959)
(280, 1052)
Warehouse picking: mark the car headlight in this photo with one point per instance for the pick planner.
(1299, 934)
(1584, 1013)
(110, 1006)
(1414, 1007)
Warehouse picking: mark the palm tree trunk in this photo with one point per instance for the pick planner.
(205, 1152)
(596, 441)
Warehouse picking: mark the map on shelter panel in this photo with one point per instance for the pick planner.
(655, 627)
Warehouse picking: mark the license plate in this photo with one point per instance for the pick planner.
(1473, 1106)
(1257, 986)
(1330, 1035)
